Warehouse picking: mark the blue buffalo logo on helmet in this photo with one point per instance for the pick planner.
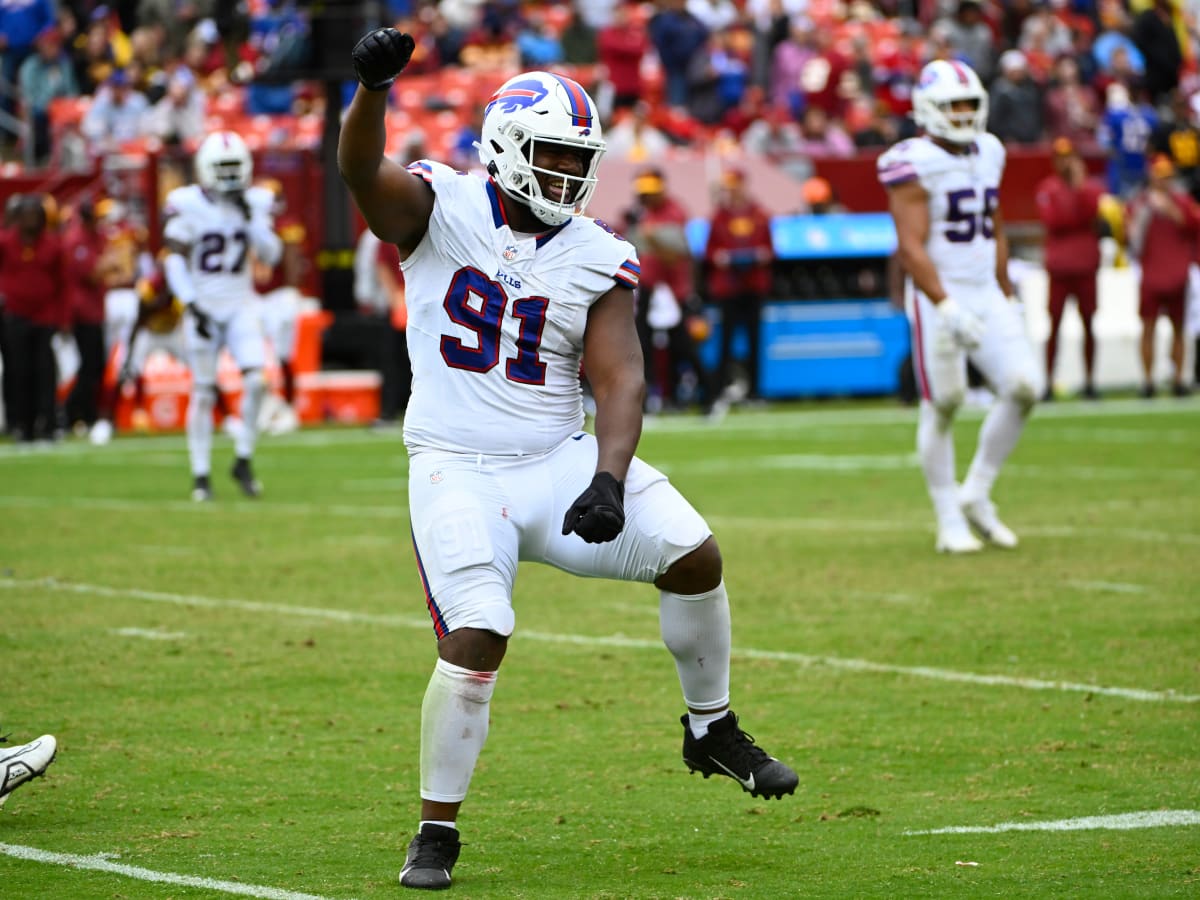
(517, 95)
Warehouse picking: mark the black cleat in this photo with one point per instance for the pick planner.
(431, 857)
(244, 476)
(727, 750)
(201, 489)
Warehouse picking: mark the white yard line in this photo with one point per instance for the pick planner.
(1156, 818)
(101, 863)
(617, 640)
(1109, 587)
(150, 634)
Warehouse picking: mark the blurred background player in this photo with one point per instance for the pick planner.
(738, 258)
(83, 245)
(1068, 204)
(22, 764)
(943, 193)
(1164, 223)
(211, 229)
(280, 289)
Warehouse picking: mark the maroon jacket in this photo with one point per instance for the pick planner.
(84, 288)
(1167, 247)
(1069, 215)
(745, 233)
(31, 278)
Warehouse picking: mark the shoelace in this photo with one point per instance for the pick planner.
(743, 750)
(432, 853)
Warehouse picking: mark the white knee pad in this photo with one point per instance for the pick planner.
(1023, 388)
(202, 399)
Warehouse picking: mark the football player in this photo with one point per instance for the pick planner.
(509, 287)
(944, 195)
(211, 230)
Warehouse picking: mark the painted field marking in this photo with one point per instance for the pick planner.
(100, 863)
(1156, 818)
(617, 640)
(1111, 587)
(149, 634)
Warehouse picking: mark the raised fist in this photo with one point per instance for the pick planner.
(380, 56)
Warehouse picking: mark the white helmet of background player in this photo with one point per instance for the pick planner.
(942, 83)
(539, 108)
(223, 163)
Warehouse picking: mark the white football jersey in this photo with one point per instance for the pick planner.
(496, 320)
(220, 243)
(964, 192)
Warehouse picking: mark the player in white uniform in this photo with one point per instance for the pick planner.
(211, 230)
(509, 287)
(943, 192)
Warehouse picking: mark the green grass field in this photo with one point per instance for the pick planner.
(236, 688)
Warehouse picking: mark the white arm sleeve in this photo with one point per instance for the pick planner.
(267, 244)
(179, 279)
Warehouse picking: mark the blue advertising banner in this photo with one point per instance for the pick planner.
(835, 236)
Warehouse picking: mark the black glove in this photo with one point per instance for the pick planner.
(380, 56)
(239, 200)
(599, 514)
(203, 322)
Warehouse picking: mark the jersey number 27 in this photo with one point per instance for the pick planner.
(966, 216)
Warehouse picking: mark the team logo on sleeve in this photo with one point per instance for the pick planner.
(518, 95)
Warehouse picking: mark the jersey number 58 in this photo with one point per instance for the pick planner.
(966, 216)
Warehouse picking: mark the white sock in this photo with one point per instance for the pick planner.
(935, 447)
(699, 722)
(200, 429)
(440, 822)
(696, 629)
(1001, 429)
(253, 388)
(454, 726)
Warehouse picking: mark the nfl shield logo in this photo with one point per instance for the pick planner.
(510, 253)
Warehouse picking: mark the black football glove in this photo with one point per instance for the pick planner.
(380, 56)
(598, 515)
(203, 322)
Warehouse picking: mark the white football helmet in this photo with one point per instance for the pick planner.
(223, 163)
(942, 83)
(541, 107)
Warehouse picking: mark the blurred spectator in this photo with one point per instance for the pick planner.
(115, 115)
(871, 124)
(821, 78)
(1154, 35)
(84, 285)
(739, 255)
(537, 46)
(967, 32)
(100, 50)
(21, 21)
(490, 45)
(1016, 102)
(203, 53)
(1124, 135)
(1044, 38)
(45, 76)
(821, 137)
(179, 116)
(776, 137)
(717, 78)
(667, 308)
(677, 35)
(787, 64)
(633, 138)
(1179, 139)
(579, 40)
(621, 46)
(715, 15)
(1072, 108)
(31, 268)
(1068, 205)
(1164, 223)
